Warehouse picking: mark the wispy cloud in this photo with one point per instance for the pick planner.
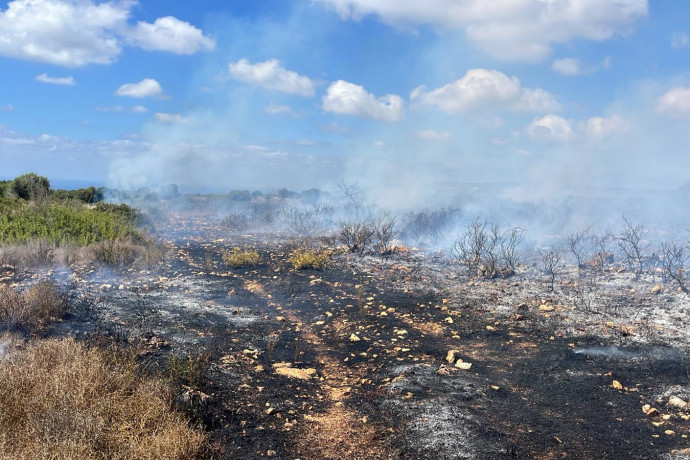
(65, 81)
(349, 99)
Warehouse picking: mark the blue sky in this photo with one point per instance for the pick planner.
(399, 94)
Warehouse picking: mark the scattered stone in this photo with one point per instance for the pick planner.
(451, 356)
(656, 290)
(354, 338)
(669, 433)
(544, 307)
(617, 385)
(649, 410)
(675, 401)
(271, 453)
(280, 318)
(286, 370)
(460, 364)
(449, 320)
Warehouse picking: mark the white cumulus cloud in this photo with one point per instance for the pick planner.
(551, 128)
(522, 30)
(75, 33)
(349, 99)
(675, 103)
(271, 75)
(482, 89)
(170, 34)
(145, 88)
(65, 81)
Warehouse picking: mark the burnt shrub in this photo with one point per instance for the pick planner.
(427, 223)
(356, 236)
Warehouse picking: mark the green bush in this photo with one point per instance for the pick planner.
(58, 223)
(31, 187)
(85, 195)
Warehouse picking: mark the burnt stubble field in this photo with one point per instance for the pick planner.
(402, 354)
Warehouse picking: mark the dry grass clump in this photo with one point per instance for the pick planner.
(124, 253)
(242, 258)
(40, 304)
(63, 400)
(114, 253)
(302, 259)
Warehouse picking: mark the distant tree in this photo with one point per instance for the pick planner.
(31, 187)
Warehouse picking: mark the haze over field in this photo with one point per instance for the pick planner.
(545, 98)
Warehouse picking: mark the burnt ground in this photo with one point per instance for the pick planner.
(351, 361)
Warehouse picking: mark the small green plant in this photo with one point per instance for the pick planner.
(242, 258)
(186, 370)
(302, 259)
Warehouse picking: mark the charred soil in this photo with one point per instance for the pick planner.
(396, 357)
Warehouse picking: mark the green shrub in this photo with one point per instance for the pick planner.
(85, 195)
(302, 259)
(31, 187)
(242, 258)
(59, 223)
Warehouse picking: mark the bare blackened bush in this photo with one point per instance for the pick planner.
(674, 258)
(510, 246)
(264, 211)
(427, 223)
(484, 249)
(579, 244)
(602, 256)
(384, 233)
(356, 236)
(633, 245)
(354, 194)
(549, 263)
(236, 222)
(468, 249)
(298, 220)
(307, 221)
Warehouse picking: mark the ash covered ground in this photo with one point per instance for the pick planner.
(405, 354)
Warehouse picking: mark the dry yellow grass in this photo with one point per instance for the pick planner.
(41, 303)
(302, 259)
(62, 400)
(242, 258)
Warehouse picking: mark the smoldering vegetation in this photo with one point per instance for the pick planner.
(483, 228)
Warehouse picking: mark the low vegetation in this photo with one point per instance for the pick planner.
(61, 399)
(242, 258)
(37, 306)
(39, 226)
(302, 259)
